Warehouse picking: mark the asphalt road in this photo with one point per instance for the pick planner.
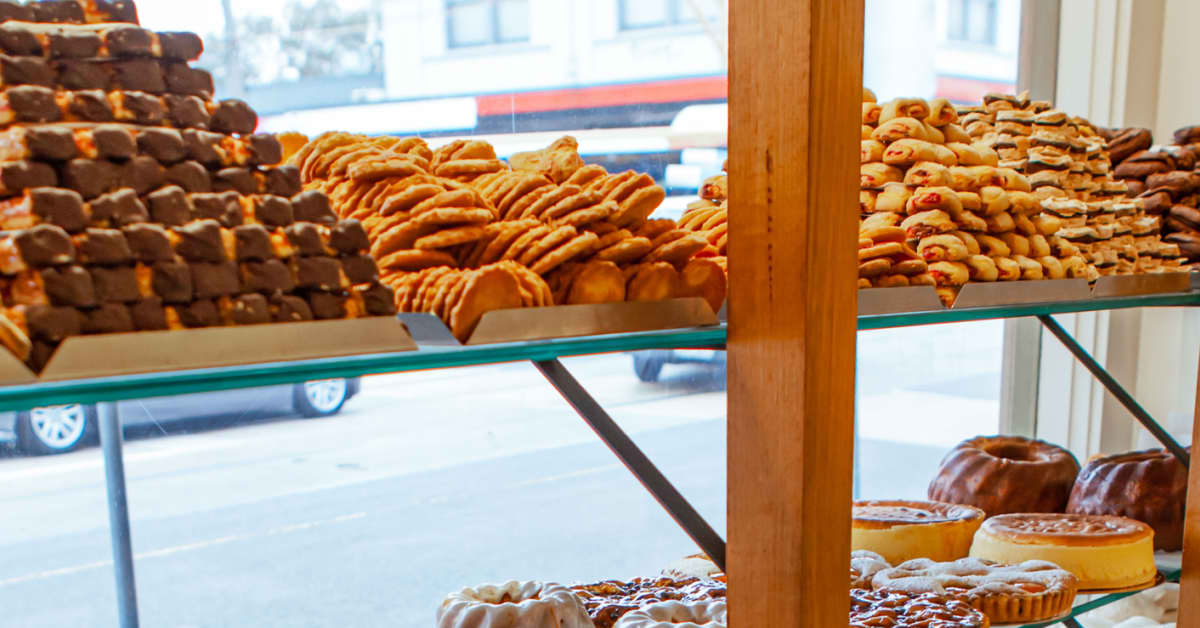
(426, 483)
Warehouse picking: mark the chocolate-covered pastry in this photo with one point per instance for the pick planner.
(348, 237)
(169, 206)
(119, 208)
(253, 243)
(1187, 135)
(43, 245)
(148, 315)
(89, 177)
(10, 10)
(69, 285)
(103, 247)
(19, 175)
(143, 174)
(360, 268)
(1189, 216)
(1136, 187)
(77, 74)
(287, 309)
(108, 318)
(52, 323)
(181, 46)
(116, 284)
(250, 309)
(240, 180)
(149, 242)
(189, 175)
(283, 181)
(172, 281)
(1177, 183)
(90, 105)
(210, 281)
(306, 239)
(188, 81)
(40, 353)
(1185, 158)
(234, 117)
(201, 241)
(319, 273)
(26, 71)
(326, 305)
(163, 144)
(45, 143)
(264, 149)
(203, 313)
(128, 41)
(377, 299)
(203, 146)
(74, 43)
(313, 206)
(272, 211)
(223, 207)
(140, 75)
(60, 207)
(269, 277)
(30, 103)
(113, 142)
(111, 11)
(1156, 202)
(1188, 242)
(59, 11)
(137, 107)
(186, 112)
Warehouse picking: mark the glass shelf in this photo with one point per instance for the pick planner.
(92, 390)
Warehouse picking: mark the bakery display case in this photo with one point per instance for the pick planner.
(149, 225)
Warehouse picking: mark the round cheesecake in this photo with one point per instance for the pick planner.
(901, 530)
(1102, 551)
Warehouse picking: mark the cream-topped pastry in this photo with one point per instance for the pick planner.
(900, 530)
(1103, 551)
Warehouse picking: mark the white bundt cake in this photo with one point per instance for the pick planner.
(676, 615)
(694, 566)
(514, 605)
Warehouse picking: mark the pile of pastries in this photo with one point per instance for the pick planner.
(1165, 178)
(1008, 190)
(1015, 528)
(458, 232)
(130, 200)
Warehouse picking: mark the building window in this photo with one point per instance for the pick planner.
(639, 14)
(486, 22)
(971, 21)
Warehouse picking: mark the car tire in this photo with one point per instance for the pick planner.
(56, 429)
(648, 365)
(321, 397)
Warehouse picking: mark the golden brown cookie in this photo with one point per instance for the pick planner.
(453, 216)
(706, 279)
(400, 237)
(597, 282)
(586, 175)
(588, 215)
(570, 204)
(626, 251)
(679, 250)
(524, 241)
(409, 197)
(450, 237)
(651, 282)
(487, 289)
(468, 168)
(546, 243)
(579, 246)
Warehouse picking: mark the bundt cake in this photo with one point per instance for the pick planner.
(514, 605)
(1149, 486)
(1004, 474)
(676, 614)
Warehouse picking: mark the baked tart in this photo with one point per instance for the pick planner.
(893, 609)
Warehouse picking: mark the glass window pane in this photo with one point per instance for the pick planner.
(470, 24)
(513, 20)
(644, 13)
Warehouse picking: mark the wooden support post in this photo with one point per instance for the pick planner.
(795, 80)
(1189, 590)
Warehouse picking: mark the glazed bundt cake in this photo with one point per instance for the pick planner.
(1005, 474)
(1149, 486)
(513, 605)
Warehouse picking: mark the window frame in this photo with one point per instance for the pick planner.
(961, 34)
(676, 12)
(495, 38)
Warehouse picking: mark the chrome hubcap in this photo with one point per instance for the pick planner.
(325, 395)
(58, 426)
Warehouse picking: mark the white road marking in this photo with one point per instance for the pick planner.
(565, 476)
(177, 549)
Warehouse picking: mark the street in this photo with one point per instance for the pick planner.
(425, 483)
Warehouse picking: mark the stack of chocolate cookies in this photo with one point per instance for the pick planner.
(131, 200)
(1166, 179)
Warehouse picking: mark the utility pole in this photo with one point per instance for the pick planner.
(234, 81)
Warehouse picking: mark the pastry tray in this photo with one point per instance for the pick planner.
(109, 355)
(567, 321)
(1159, 578)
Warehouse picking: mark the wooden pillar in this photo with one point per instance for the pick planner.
(795, 80)
(1189, 590)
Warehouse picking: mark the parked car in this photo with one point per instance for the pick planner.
(648, 365)
(59, 429)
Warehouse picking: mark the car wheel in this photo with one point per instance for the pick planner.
(648, 365)
(322, 397)
(56, 429)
